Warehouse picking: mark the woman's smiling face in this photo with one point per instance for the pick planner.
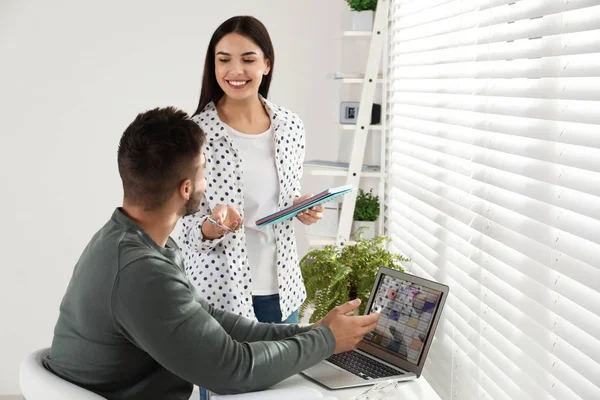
(240, 66)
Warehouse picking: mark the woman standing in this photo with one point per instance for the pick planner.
(254, 155)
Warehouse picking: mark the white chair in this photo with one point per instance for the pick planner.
(38, 383)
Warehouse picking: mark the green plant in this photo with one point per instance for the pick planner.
(334, 275)
(367, 206)
(362, 5)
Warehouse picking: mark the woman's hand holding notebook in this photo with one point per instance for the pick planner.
(292, 211)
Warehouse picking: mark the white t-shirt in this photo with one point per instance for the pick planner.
(261, 192)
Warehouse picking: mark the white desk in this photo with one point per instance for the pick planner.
(417, 389)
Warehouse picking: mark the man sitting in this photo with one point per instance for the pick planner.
(131, 325)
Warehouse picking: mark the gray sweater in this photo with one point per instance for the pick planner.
(131, 326)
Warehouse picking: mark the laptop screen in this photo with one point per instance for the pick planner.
(407, 313)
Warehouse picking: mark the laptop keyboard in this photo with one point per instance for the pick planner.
(362, 366)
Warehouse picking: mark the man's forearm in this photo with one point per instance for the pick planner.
(270, 361)
(248, 330)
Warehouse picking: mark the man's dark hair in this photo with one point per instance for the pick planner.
(156, 154)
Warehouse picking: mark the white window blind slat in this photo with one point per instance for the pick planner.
(504, 276)
(459, 288)
(558, 131)
(587, 112)
(547, 88)
(481, 369)
(515, 235)
(470, 16)
(494, 188)
(515, 249)
(524, 382)
(470, 180)
(524, 385)
(568, 66)
(443, 11)
(489, 161)
(476, 331)
(536, 149)
(579, 20)
(492, 321)
(549, 44)
(526, 371)
(406, 8)
(505, 257)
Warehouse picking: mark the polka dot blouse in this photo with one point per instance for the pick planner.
(219, 268)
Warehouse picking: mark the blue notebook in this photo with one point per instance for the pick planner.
(292, 211)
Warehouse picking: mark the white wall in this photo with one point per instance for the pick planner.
(73, 74)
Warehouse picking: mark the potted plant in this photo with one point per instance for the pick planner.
(366, 212)
(334, 275)
(362, 14)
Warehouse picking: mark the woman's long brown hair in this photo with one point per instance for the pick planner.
(246, 26)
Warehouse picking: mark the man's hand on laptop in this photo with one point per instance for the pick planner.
(347, 328)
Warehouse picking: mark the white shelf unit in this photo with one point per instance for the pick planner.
(362, 129)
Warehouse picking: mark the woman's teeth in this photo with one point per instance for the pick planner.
(238, 83)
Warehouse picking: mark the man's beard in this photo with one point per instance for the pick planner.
(193, 204)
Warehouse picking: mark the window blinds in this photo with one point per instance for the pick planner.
(494, 188)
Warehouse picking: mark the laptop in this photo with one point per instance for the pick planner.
(410, 310)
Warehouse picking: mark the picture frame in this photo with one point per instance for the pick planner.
(349, 112)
